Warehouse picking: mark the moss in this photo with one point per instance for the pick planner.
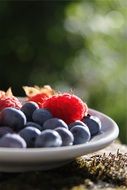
(111, 168)
(95, 172)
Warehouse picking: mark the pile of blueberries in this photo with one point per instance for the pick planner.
(33, 127)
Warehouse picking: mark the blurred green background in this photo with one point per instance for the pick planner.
(78, 46)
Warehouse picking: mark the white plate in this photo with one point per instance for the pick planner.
(17, 160)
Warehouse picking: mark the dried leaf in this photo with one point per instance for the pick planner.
(31, 91)
(9, 92)
(2, 93)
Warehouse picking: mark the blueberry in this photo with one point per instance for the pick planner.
(13, 118)
(54, 123)
(4, 130)
(29, 134)
(77, 122)
(12, 141)
(33, 124)
(81, 134)
(66, 135)
(28, 108)
(41, 115)
(48, 138)
(94, 124)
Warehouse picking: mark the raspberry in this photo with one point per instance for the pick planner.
(11, 101)
(38, 98)
(66, 107)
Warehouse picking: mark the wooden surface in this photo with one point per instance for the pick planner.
(105, 169)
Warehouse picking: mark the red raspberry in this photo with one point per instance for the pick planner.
(39, 98)
(66, 107)
(7, 101)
